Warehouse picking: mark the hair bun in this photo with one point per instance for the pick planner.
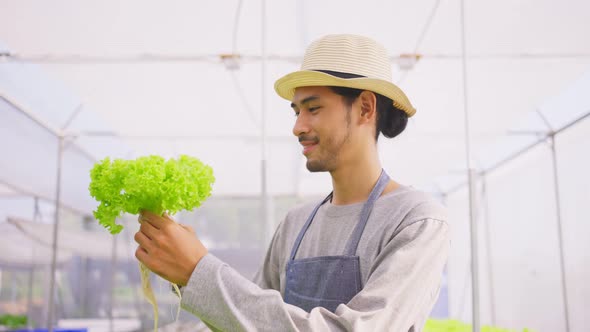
(391, 121)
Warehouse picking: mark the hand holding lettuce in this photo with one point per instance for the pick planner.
(148, 184)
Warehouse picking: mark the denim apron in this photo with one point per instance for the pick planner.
(328, 281)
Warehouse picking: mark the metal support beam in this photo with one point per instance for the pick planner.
(30, 285)
(268, 224)
(518, 153)
(112, 284)
(471, 182)
(474, 237)
(55, 132)
(560, 234)
(50, 313)
(486, 220)
(558, 218)
(85, 59)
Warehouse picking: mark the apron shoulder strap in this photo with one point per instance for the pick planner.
(306, 226)
(355, 237)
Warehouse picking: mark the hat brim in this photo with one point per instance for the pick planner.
(286, 85)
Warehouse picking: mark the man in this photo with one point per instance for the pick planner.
(369, 257)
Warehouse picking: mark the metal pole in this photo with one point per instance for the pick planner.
(485, 208)
(268, 227)
(560, 233)
(84, 287)
(36, 218)
(474, 253)
(471, 174)
(211, 58)
(13, 288)
(55, 234)
(112, 283)
(551, 136)
(30, 297)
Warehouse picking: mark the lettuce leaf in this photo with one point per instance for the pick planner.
(149, 183)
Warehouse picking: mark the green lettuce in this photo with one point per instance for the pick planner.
(148, 183)
(451, 325)
(13, 321)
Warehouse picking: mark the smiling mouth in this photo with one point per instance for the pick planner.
(307, 148)
(308, 142)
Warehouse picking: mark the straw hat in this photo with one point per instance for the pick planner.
(347, 61)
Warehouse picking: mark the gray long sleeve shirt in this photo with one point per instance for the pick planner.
(402, 252)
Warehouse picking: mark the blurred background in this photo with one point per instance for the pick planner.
(81, 81)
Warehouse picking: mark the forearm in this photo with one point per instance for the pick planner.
(225, 300)
(398, 295)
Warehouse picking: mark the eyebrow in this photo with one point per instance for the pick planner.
(306, 100)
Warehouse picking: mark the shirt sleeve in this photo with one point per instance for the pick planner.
(399, 294)
(268, 276)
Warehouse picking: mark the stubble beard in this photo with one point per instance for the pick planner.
(329, 161)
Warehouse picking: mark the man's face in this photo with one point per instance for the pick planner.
(323, 127)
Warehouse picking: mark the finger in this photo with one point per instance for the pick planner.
(148, 230)
(154, 219)
(142, 218)
(143, 241)
(149, 214)
(141, 254)
(188, 228)
(145, 214)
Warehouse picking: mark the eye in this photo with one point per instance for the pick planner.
(313, 109)
(296, 114)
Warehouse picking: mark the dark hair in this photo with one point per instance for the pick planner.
(391, 121)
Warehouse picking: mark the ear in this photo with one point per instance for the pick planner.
(368, 105)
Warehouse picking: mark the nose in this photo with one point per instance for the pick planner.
(301, 124)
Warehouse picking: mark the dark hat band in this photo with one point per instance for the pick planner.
(339, 74)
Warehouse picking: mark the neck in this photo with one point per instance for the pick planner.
(353, 182)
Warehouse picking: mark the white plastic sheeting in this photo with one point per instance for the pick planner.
(21, 251)
(520, 277)
(29, 130)
(154, 70)
(89, 244)
(555, 115)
